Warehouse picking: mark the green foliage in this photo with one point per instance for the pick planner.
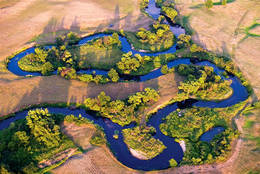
(98, 79)
(43, 128)
(164, 69)
(223, 2)
(113, 75)
(190, 124)
(209, 3)
(47, 68)
(203, 83)
(144, 4)
(72, 38)
(159, 3)
(157, 62)
(143, 98)
(118, 111)
(195, 48)
(29, 141)
(3, 169)
(159, 38)
(33, 62)
(170, 12)
(98, 138)
(184, 40)
(173, 163)
(77, 120)
(141, 139)
(68, 73)
(128, 63)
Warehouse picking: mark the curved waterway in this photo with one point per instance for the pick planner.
(173, 150)
(118, 147)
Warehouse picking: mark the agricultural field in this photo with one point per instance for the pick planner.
(139, 86)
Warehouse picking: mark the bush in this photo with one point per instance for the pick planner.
(98, 139)
(47, 68)
(113, 75)
(173, 163)
(141, 139)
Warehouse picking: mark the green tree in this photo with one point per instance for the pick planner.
(113, 75)
(43, 127)
(3, 169)
(47, 68)
(128, 63)
(41, 55)
(195, 48)
(209, 3)
(170, 12)
(21, 138)
(157, 62)
(173, 163)
(223, 2)
(72, 38)
(164, 69)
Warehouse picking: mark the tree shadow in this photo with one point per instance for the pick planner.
(55, 28)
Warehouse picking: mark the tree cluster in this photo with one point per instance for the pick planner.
(140, 139)
(202, 83)
(130, 63)
(29, 141)
(159, 37)
(170, 12)
(119, 111)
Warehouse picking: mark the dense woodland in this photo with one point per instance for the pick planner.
(202, 83)
(122, 112)
(158, 38)
(29, 141)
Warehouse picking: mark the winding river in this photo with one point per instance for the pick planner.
(118, 147)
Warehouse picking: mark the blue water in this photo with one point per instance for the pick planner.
(118, 147)
(209, 135)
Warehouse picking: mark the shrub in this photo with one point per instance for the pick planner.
(47, 68)
(113, 75)
(173, 163)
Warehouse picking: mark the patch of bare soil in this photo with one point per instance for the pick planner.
(57, 158)
(80, 135)
(96, 160)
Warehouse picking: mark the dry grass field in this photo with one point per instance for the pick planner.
(42, 20)
(16, 94)
(89, 162)
(221, 29)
